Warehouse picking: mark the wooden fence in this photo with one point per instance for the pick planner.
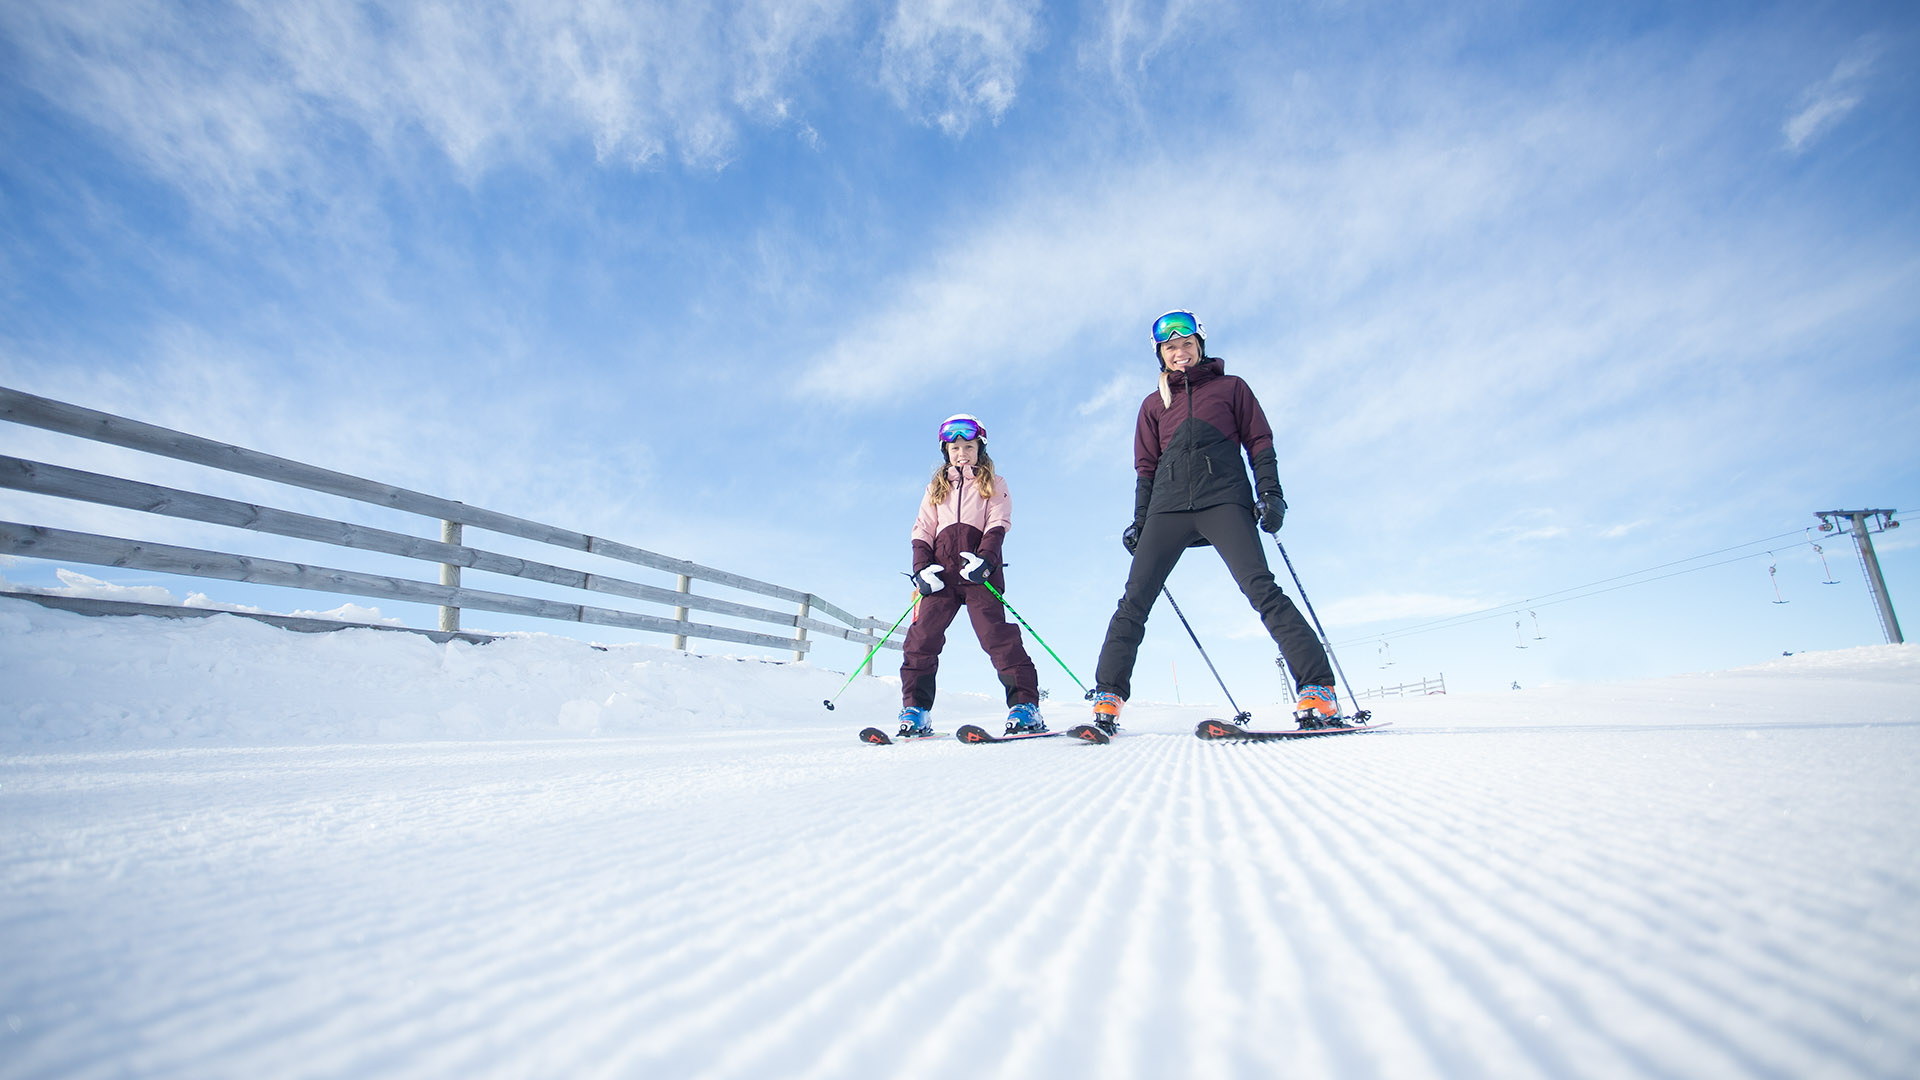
(1435, 685)
(451, 551)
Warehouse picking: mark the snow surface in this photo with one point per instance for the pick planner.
(235, 851)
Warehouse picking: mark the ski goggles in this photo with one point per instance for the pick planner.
(959, 429)
(1174, 324)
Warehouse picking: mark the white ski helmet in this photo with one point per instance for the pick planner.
(962, 426)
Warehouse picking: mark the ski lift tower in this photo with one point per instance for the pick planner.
(1869, 562)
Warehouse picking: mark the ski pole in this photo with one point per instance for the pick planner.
(876, 648)
(1041, 640)
(1324, 643)
(1240, 716)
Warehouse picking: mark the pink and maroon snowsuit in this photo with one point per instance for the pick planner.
(962, 522)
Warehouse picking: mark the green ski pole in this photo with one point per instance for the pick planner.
(1041, 640)
(876, 648)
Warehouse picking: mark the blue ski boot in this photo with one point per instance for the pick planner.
(1024, 719)
(914, 723)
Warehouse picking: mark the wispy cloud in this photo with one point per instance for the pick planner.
(1122, 388)
(1130, 33)
(955, 61)
(1827, 102)
(283, 104)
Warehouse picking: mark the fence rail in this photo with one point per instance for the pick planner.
(1435, 685)
(450, 552)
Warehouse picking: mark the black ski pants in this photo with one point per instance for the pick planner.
(1229, 527)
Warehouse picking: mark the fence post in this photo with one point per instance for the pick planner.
(680, 613)
(806, 605)
(870, 629)
(450, 532)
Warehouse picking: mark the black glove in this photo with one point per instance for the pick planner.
(973, 568)
(1273, 511)
(1266, 481)
(1142, 498)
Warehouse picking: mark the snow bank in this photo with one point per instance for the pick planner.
(74, 679)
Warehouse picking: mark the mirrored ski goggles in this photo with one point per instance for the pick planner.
(959, 429)
(1174, 324)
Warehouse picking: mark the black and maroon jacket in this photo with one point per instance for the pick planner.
(1187, 454)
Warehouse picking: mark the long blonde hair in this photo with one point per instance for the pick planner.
(982, 475)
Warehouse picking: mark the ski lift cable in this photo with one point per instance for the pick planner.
(1494, 613)
(1476, 616)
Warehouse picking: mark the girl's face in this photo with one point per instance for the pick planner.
(963, 452)
(1180, 353)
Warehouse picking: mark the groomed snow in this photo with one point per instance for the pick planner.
(235, 851)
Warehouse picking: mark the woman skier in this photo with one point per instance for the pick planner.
(1192, 491)
(957, 537)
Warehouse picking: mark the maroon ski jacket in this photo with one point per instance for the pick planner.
(1188, 454)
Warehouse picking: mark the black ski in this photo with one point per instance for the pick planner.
(974, 733)
(880, 738)
(1229, 731)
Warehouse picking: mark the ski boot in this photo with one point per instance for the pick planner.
(1106, 711)
(914, 723)
(1024, 719)
(1318, 708)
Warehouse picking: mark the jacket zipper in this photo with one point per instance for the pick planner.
(1187, 383)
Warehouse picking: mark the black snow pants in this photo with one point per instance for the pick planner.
(1229, 527)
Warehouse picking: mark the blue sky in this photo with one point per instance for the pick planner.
(1537, 295)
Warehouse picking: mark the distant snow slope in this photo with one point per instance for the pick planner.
(234, 851)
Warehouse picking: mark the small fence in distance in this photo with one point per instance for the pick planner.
(451, 551)
(1435, 685)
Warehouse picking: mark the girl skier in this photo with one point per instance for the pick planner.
(957, 537)
(1192, 491)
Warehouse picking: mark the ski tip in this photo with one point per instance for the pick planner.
(973, 733)
(1218, 729)
(1089, 733)
(875, 736)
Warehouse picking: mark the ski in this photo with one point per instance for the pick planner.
(880, 738)
(974, 733)
(1229, 731)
